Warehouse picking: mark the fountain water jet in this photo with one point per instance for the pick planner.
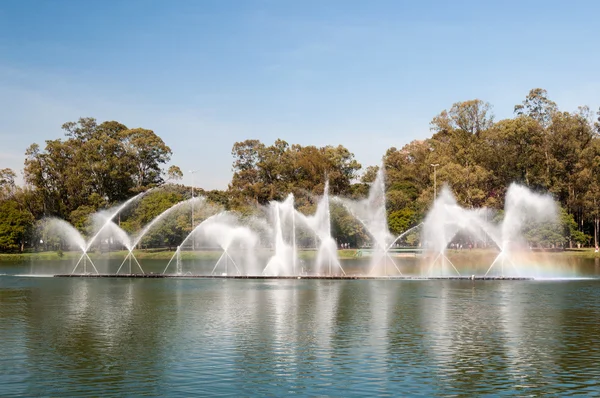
(113, 230)
(71, 234)
(520, 205)
(284, 215)
(371, 213)
(107, 220)
(138, 237)
(445, 219)
(403, 234)
(224, 230)
(320, 224)
(189, 202)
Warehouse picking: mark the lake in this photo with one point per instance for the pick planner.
(182, 337)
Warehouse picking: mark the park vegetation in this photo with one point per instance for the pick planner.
(97, 165)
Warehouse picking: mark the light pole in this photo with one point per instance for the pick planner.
(192, 172)
(434, 180)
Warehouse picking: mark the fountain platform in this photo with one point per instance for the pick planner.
(324, 277)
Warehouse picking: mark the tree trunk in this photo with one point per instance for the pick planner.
(596, 224)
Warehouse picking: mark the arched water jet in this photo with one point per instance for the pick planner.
(403, 234)
(225, 232)
(139, 236)
(112, 230)
(521, 204)
(111, 215)
(445, 219)
(189, 202)
(107, 220)
(177, 254)
(71, 234)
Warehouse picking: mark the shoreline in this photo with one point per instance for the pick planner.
(344, 254)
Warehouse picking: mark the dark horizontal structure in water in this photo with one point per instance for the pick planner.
(324, 277)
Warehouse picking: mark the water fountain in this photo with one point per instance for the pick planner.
(445, 219)
(132, 243)
(122, 237)
(177, 255)
(107, 219)
(162, 216)
(371, 213)
(283, 261)
(232, 234)
(320, 224)
(111, 232)
(224, 231)
(71, 234)
(520, 205)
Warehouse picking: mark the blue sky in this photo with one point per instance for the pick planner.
(205, 74)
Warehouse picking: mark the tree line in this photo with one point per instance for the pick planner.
(97, 165)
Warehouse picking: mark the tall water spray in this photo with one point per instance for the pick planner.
(320, 224)
(283, 261)
(445, 219)
(372, 214)
(521, 206)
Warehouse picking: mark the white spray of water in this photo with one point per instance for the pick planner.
(190, 202)
(67, 232)
(111, 215)
(320, 224)
(371, 213)
(522, 205)
(283, 261)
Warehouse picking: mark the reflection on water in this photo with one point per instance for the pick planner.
(476, 262)
(243, 337)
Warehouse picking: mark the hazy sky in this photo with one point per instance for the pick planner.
(204, 74)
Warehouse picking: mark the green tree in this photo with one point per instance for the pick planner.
(265, 173)
(174, 173)
(15, 224)
(107, 159)
(538, 107)
(7, 183)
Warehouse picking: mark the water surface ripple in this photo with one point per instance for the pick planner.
(174, 337)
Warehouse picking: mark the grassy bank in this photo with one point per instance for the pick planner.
(141, 255)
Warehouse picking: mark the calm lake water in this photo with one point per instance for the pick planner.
(176, 337)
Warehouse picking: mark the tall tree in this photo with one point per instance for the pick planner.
(106, 160)
(537, 106)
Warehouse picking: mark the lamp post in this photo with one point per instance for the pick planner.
(434, 180)
(192, 172)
